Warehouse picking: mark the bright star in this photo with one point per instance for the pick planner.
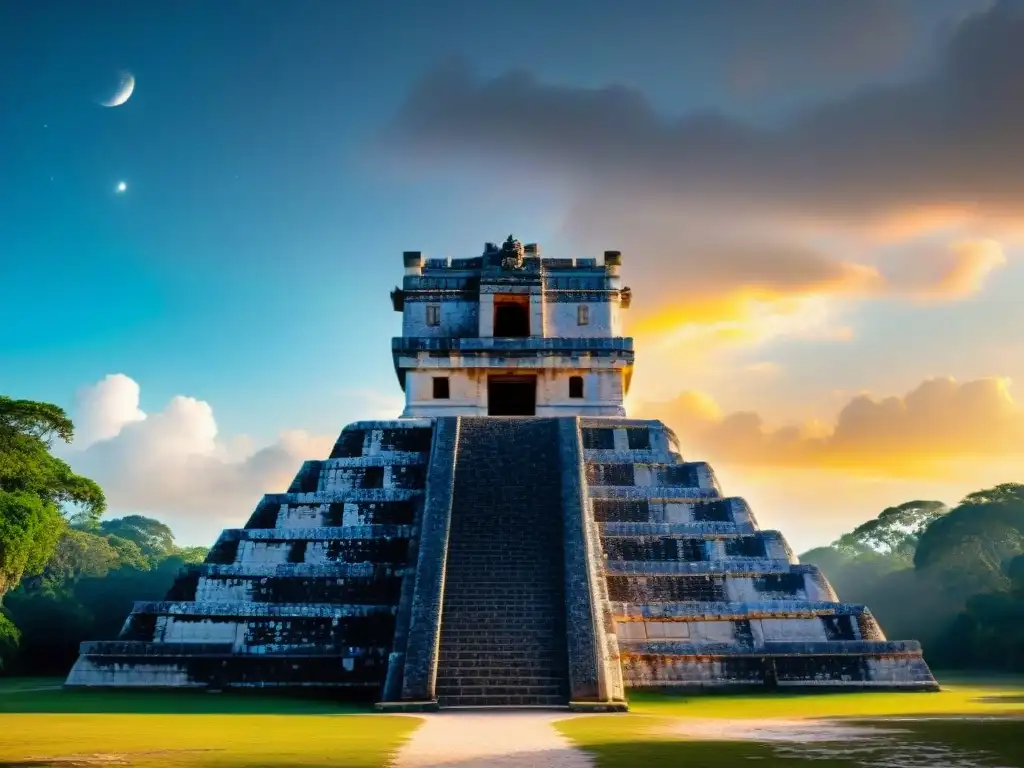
(121, 187)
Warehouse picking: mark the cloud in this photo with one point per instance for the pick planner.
(105, 407)
(955, 274)
(928, 432)
(768, 46)
(825, 204)
(941, 139)
(173, 463)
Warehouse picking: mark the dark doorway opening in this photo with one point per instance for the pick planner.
(511, 396)
(511, 316)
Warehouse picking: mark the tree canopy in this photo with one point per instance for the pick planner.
(86, 590)
(37, 489)
(953, 579)
(986, 531)
(153, 538)
(895, 531)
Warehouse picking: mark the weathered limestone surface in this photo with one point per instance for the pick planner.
(595, 673)
(305, 595)
(572, 312)
(414, 663)
(455, 558)
(702, 597)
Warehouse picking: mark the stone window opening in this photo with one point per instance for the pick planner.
(582, 315)
(433, 315)
(511, 316)
(442, 388)
(511, 395)
(576, 387)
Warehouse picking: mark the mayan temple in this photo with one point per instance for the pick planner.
(511, 539)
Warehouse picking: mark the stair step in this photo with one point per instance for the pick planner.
(503, 701)
(462, 627)
(503, 639)
(453, 684)
(483, 676)
(461, 691)
(510, 642)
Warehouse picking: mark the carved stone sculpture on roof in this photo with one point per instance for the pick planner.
(512, 254)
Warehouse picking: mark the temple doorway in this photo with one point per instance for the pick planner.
(511, 395)
(512, 316)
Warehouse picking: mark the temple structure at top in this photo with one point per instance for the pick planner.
(511, 539)
(511, 333)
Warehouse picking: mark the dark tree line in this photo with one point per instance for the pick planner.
(86, 590)
(65, 575)
(951, 578)
(37, 493)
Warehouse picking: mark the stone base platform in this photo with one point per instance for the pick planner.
(598, 706)
(517, 562)
(406, 706)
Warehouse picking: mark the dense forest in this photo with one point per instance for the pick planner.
(66, 575)
(952, 578)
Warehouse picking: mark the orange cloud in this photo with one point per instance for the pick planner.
(743, 317)
(970, 264)
(916, 221)
(929, 432)
(718, 314)
(956, 273)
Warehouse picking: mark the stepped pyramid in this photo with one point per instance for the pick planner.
(511, 539)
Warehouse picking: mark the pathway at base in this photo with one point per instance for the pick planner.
(500, 739)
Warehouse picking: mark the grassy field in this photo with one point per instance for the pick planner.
(63, 728)
(628, 742)
(959, 696)
(969, 724)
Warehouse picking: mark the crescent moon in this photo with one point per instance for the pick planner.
(123, 92)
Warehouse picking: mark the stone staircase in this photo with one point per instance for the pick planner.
(503, 633)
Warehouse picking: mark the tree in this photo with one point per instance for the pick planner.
(858, 560)
(129, 554)
(989, 632)
(36, 488)
(154, 538)
(80, 555)
(968, 548)
(1004, 493)
(895, 531)
(192, 555)
(1015, 570)
(10, 638)
(54, 622)
(29, 532)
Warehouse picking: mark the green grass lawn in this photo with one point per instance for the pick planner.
(962, 696)
(188, 729)
(639, 740)
(42, 725)
(969, 723)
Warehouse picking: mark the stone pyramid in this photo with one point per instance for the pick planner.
(511, 540)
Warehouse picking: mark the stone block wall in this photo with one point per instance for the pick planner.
(702, 597)
(603, 388)
(306, 594)
(339, 582)
(595, 673)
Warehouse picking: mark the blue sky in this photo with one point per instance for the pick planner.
(249, 261)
